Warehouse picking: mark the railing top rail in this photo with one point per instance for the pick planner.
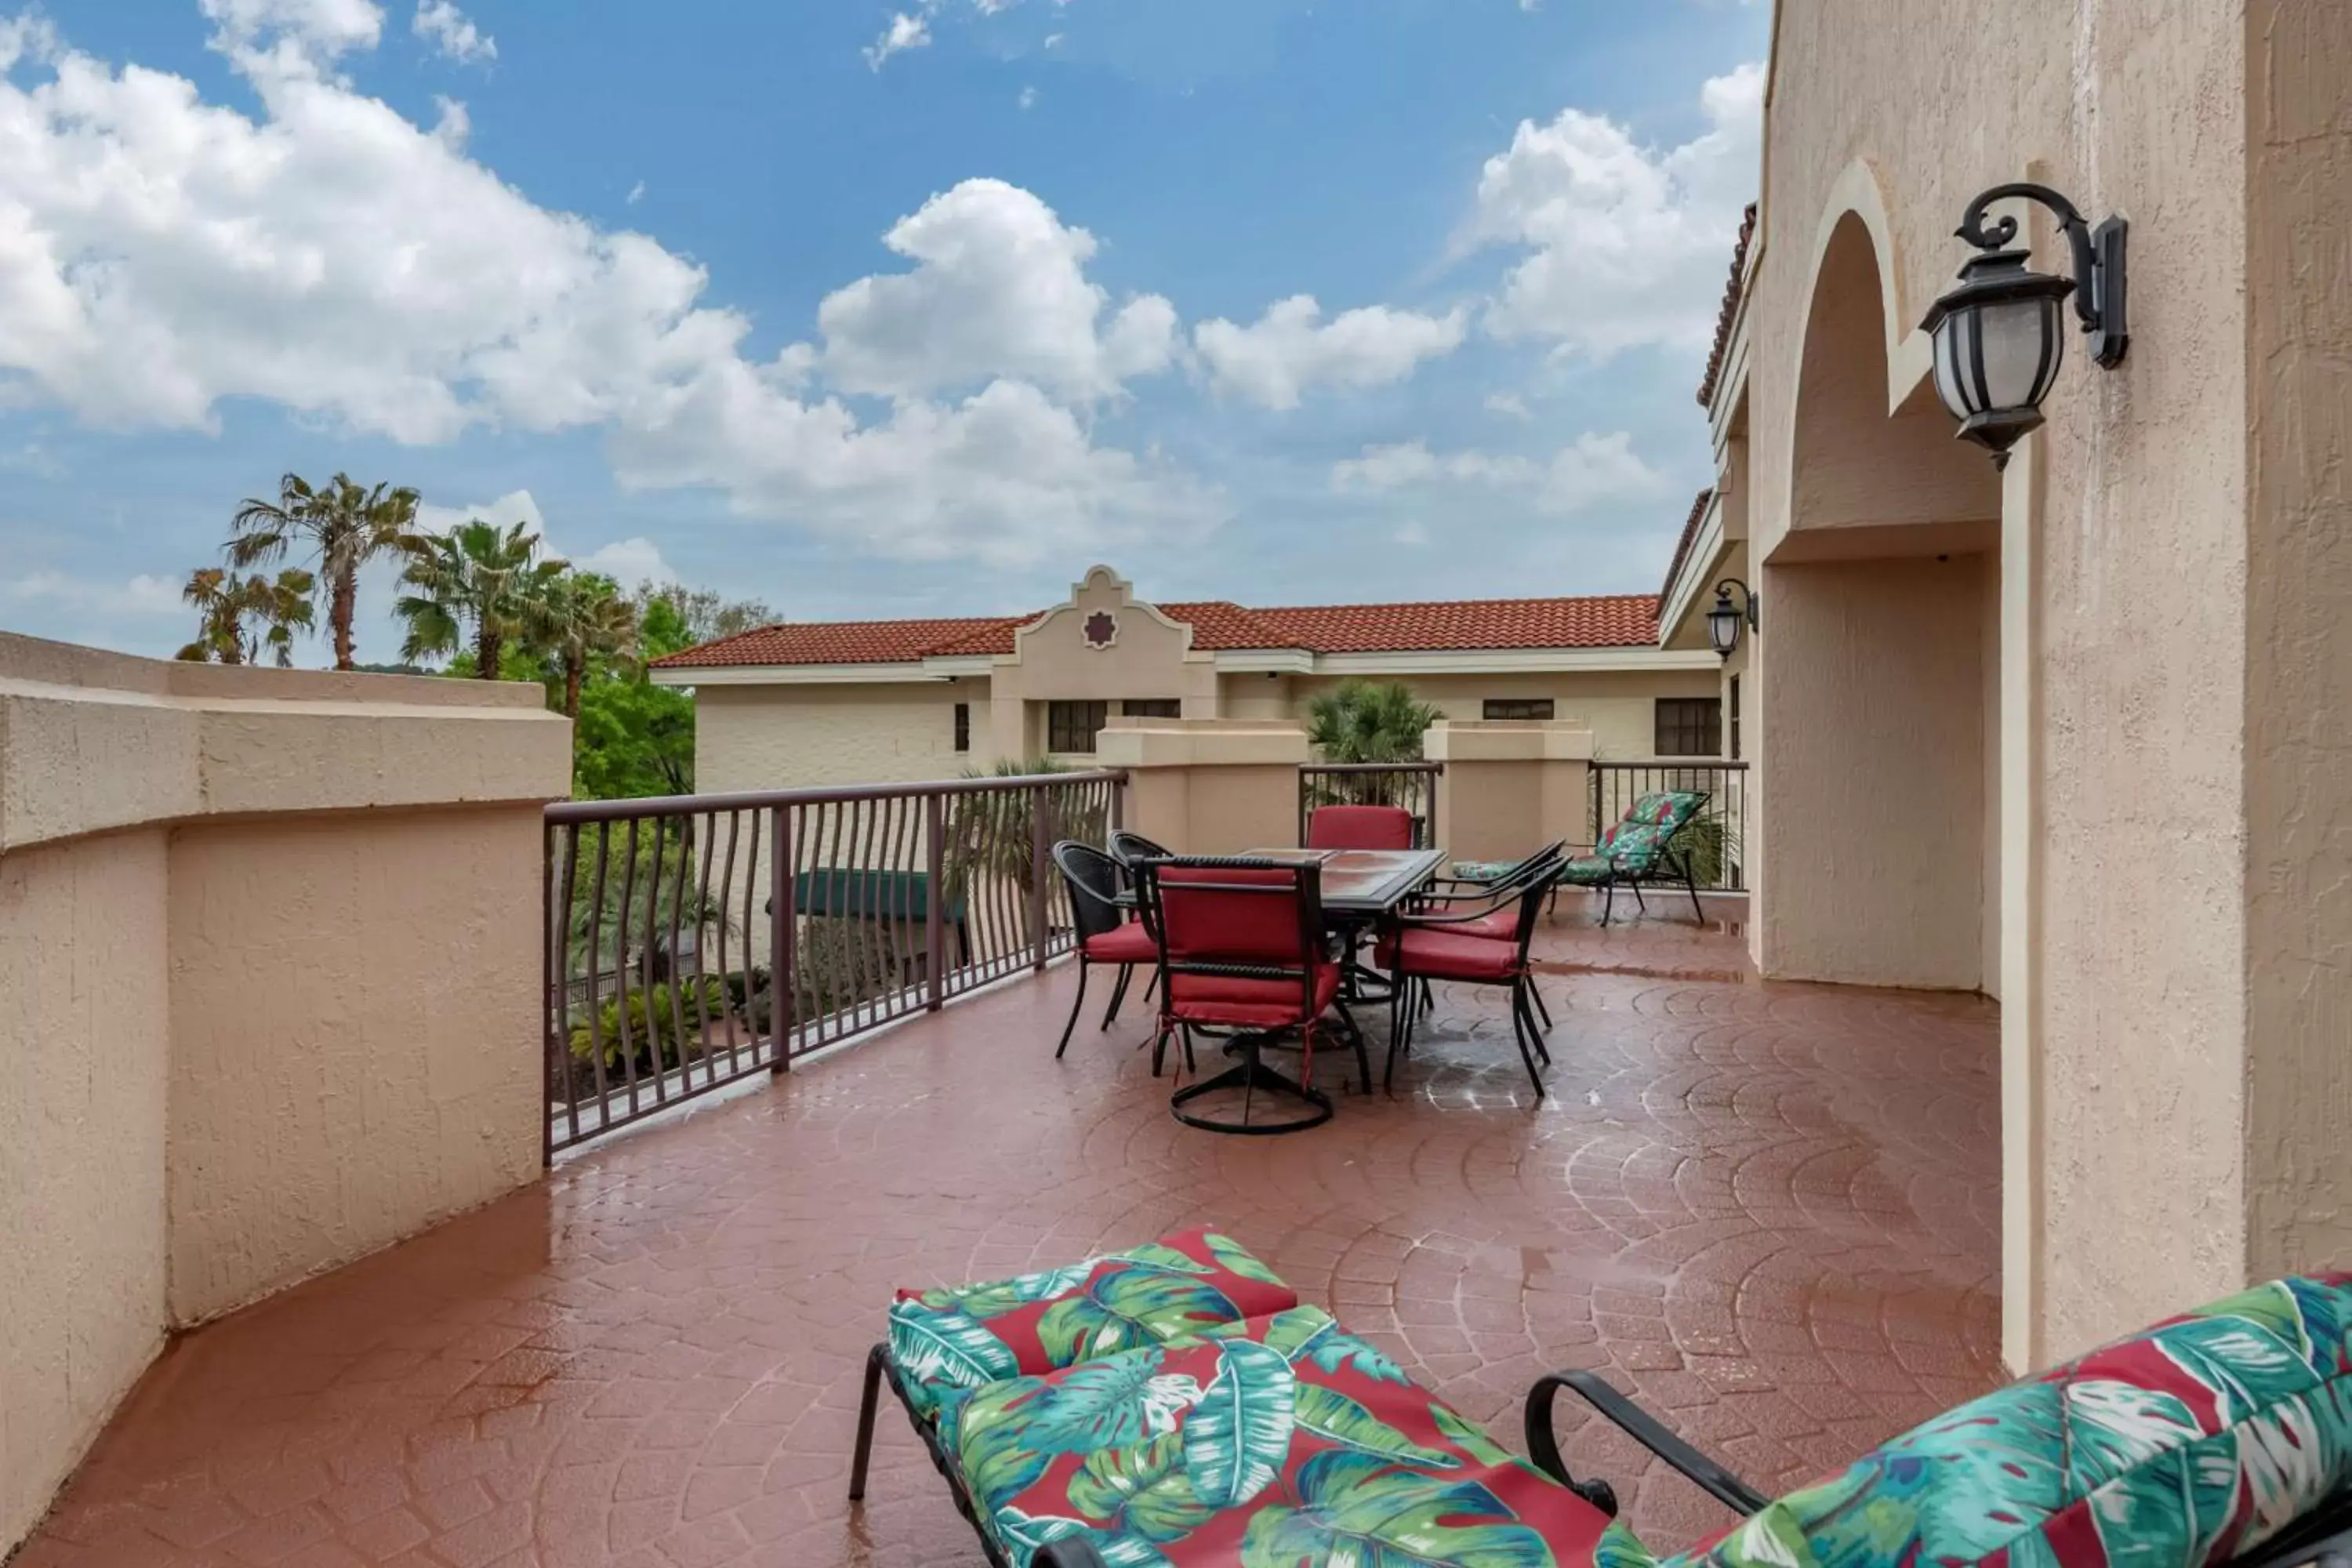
(1372, 767)
(564, 812)
(1686, 764)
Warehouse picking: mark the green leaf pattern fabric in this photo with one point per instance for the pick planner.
(1293, 1444)
(2181, 1447)
(969, 1336)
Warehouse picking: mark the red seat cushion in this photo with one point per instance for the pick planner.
(1438, 953)
(1130, 944)
(1501, 925)
(1359, 828)
(1248, 1003)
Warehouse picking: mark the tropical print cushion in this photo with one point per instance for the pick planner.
(1482, 870)
(2183, 1446)
(1671, 809)
(975, 1335)
(1588, 870)
(1283, 1442)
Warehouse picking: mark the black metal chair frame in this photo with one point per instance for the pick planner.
(2321, 1539)
(1490, 887)
(1089, 905)
(1250, 1073)
(1674, 864)
(1530, 893)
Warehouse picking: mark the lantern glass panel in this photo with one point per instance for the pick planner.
(2021, 348)
(1723, 628)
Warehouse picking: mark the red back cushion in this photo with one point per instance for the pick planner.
(1213, 924)
(1359, 828)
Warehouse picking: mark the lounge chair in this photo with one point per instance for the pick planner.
(1646, 846)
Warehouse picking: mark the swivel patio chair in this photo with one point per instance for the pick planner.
(1647, 845)
(1241, 949)
(1499, 919)
(1359, 828)
(1430, 947)
(1105, 936)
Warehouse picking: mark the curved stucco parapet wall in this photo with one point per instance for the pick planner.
(97, 742)
(270, 950)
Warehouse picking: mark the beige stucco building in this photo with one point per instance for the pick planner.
(2070, 732)
(901, 701)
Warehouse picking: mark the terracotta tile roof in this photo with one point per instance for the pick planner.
(1730, 313)
(1683, 545)
(1624, 620)
(841, 642)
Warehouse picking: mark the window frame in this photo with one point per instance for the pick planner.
(962, 728)
(1686, 726)
(1063, 721)
(1152, 708)
(1549, 708)
(1731, 720)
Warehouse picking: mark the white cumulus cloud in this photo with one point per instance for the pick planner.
(1593, 471)
(161, 253)
(905, 32)
(999, 288)
(1291, 348)
(1627, 243)
(452, 32)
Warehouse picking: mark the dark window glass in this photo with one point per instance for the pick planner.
(1072, 726)
(1735, 718)
(1690, 726)
(1153, 708)
(1518, 708)
(964, 727)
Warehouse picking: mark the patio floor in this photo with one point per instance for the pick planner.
(1771, 1210)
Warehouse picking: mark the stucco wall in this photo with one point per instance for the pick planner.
(801, 737)
(2298, 677)
(269, 945)
(2174, 1001)
(1617, 707)
(1878, 732)
(82, 941)
(353, 1013)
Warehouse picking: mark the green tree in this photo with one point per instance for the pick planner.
(225, 602)
(587, 626)
(631, 739)
(706, 615)
(344, 526)
(1369, 722)
(476, 585)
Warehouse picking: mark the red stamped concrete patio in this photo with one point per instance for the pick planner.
(1771, 1211)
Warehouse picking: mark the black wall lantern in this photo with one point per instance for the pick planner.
(1722, 621)
(1999, 336)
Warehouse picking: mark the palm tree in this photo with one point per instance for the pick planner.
(475, 584)
(224, 602)
(1369, 722)
(348, 527)
(586, 619)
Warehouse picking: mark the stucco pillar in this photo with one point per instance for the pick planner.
(270, 941)
(1509, 788)
(1209, 787)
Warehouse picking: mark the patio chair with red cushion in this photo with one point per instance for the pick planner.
(1243, 949)
(1359, 828)
(1451, 947)
(1105, 936)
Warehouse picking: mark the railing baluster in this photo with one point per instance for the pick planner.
(782, 979)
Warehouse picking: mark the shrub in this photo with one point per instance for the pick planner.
(662, 1030)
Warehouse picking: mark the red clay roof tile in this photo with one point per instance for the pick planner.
(1730, 312)
(1624, 620)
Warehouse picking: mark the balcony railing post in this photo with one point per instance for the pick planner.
(782, 979)
(935, 832)
(1039, 859)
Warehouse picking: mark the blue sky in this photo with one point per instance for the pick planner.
(893, 309)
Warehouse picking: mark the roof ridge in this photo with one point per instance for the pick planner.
(1427, 604)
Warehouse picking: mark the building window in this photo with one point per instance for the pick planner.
(1072, 726)
(1734, 717)
(964, 727)
(1519, 708)
(1690, 727)
(1153, 708)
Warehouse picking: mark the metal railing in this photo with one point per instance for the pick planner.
(695, 941)
(1413, 785)
(1717, 842)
